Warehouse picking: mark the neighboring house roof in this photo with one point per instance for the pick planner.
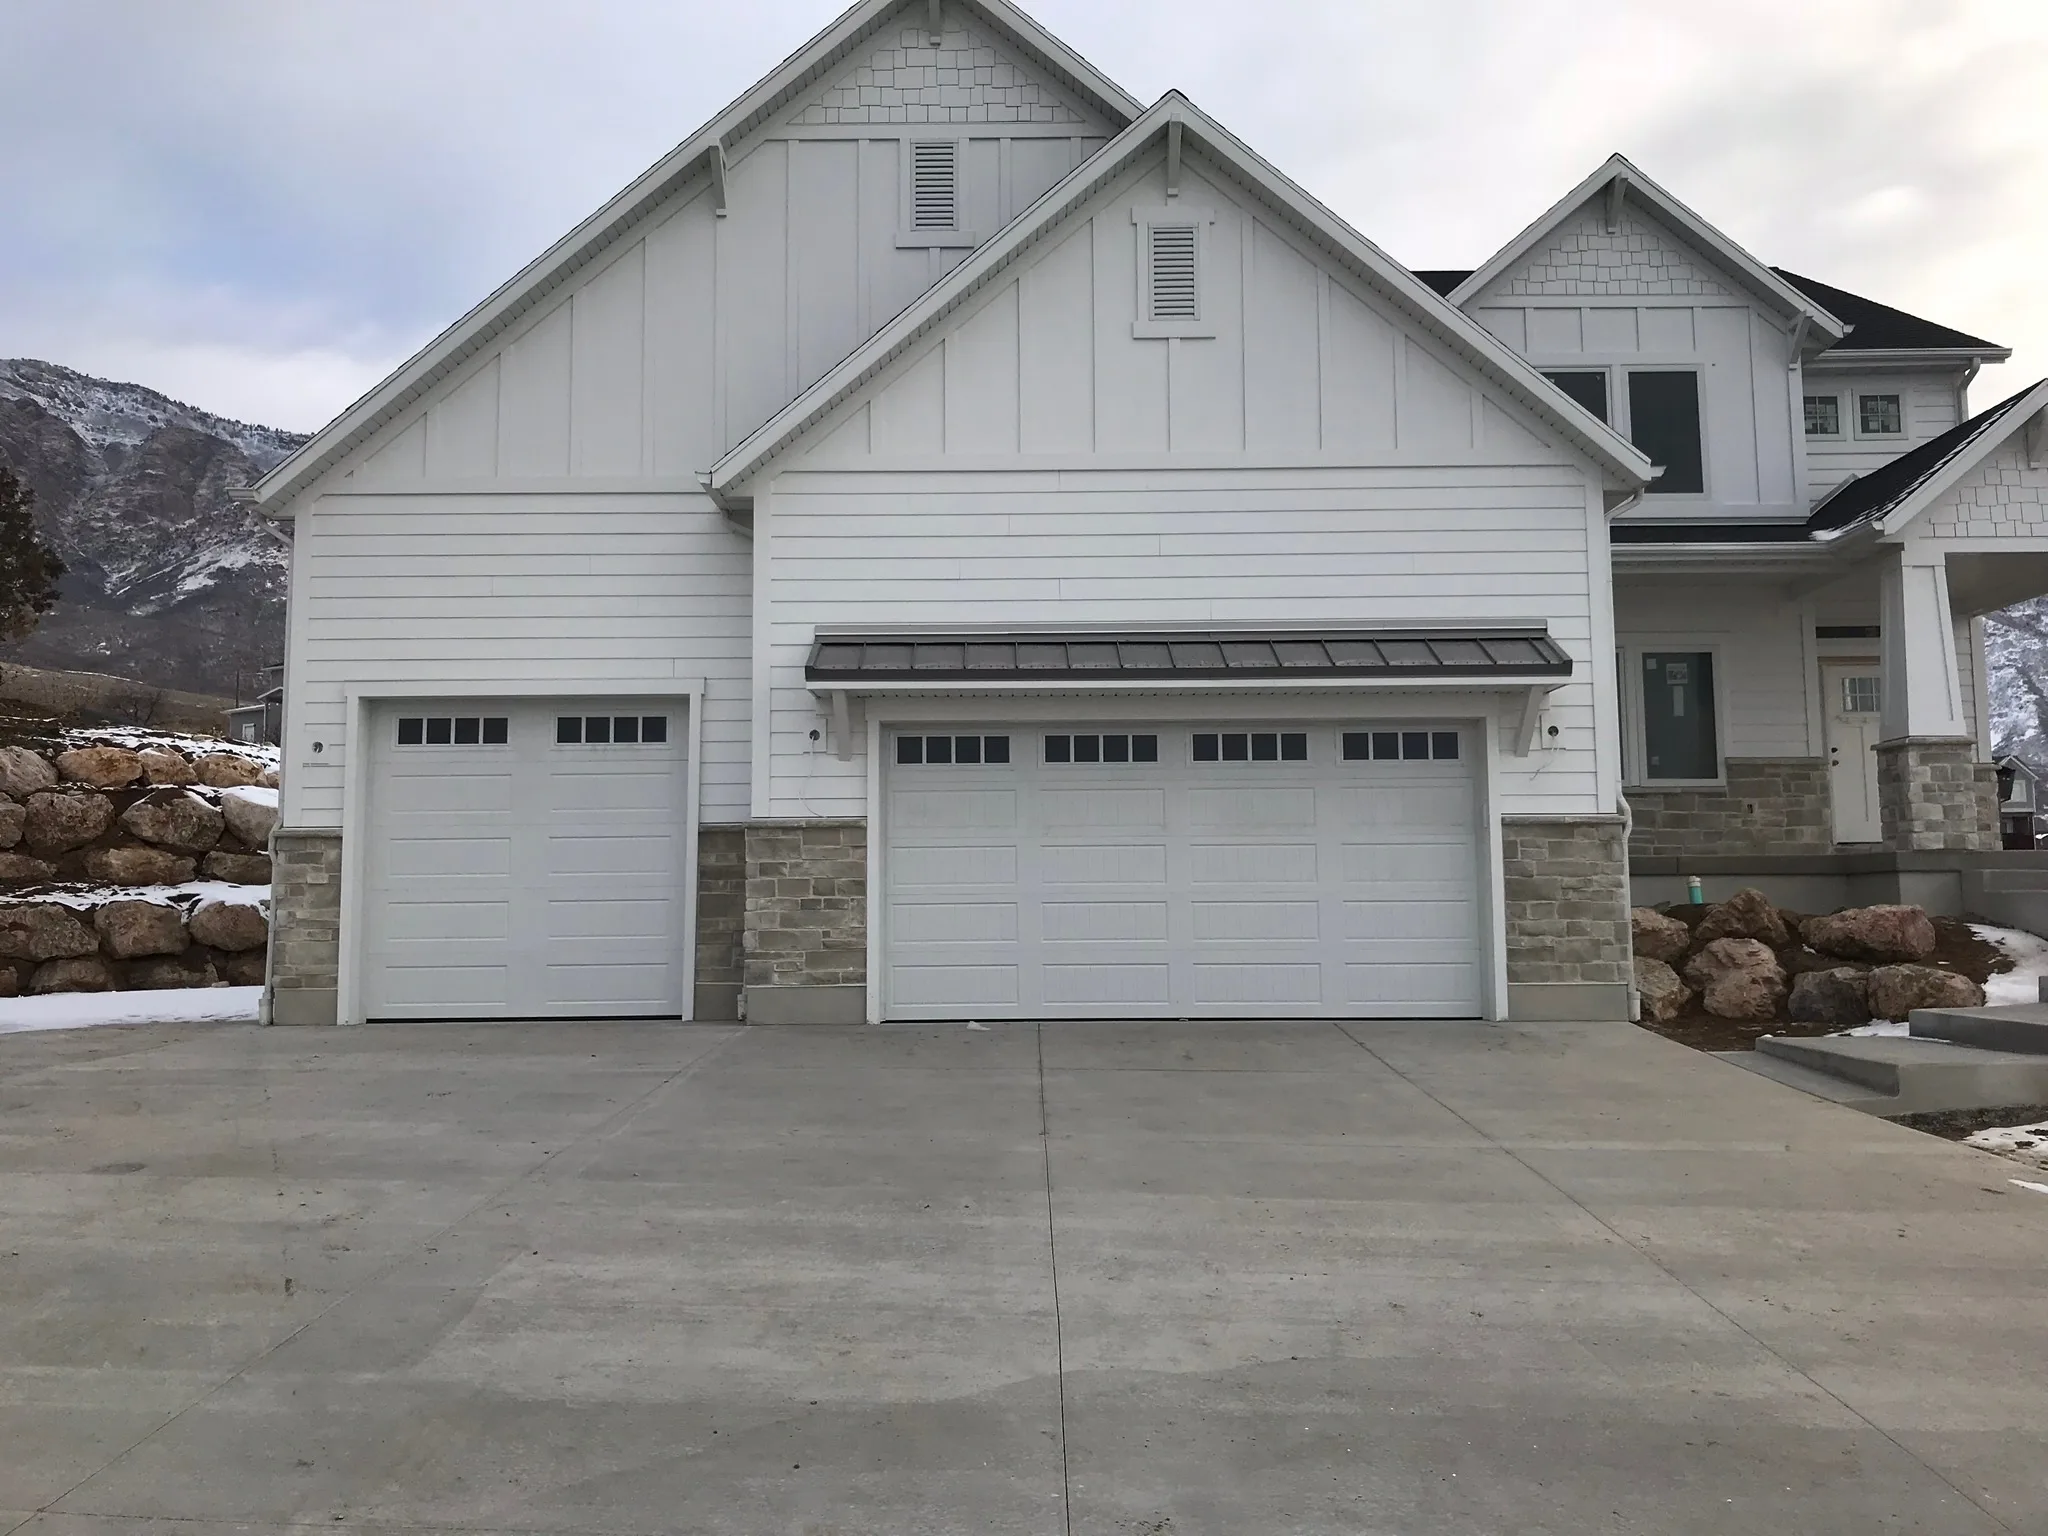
(1478, 346)
(1639, 188)
(700, 154)
(1892, 494)
(1443, 279)
(1880, 328)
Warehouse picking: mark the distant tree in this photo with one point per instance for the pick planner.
(29, 568)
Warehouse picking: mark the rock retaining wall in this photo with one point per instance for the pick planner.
(129, 943)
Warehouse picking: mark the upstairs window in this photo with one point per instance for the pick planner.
(1588, 386)
(1823, 415)
(1664, 421)
(935, 185)
(1880, 416)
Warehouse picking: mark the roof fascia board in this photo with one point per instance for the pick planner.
(1847, 361)
(1613, 453)
(1760, 277)
(1962, 462)
(695, 154)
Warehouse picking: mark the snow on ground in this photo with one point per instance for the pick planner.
(1879, 1027)
(138, 737)
(2029, 953)
(85, 1010)
(254, 794)
(83, 898)
(2012, 1138)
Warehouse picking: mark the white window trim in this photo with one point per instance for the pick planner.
(909, 238)
(1841, 415)
(1203, 326)
(1858, 397)
(1635, 750)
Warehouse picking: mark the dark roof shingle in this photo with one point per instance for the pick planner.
(1869, 497)
(1879, 327)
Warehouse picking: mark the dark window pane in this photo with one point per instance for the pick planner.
(1414, 745)
(1823, 415)
(440, 732)
(626, 728)
(1294, 747)
(1205, 749)
(1357, 746)
(411, 731)
(1265, 747)
(1144, 749)
(967, 749)
(1879, 416)
(1679, 740)
(569, 729)
(1087, 749)
(469, 730)
(1443, 746)
(1588, 388)
(1386, 746)
(1059, 749)
(496, 730)
(597, 730)
(938, 749)
(995, 749)
(1116, 749)
(1664, 421)
(654, 727)
(1237, 748)
(909, 749)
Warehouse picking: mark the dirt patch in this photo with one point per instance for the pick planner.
(1955, 1124)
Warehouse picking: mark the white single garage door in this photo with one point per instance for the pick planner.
(526, 859)
(1182, 871)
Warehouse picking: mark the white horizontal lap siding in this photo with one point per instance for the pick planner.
(1763, 657)
(1352, 547)
(1928, 404)
(580, 591)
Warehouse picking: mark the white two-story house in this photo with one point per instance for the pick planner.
(954, 542)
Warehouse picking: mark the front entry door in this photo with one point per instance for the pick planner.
(1853, 692)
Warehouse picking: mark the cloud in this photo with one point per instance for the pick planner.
(274, 203)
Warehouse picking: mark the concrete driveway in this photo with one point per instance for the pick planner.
(1161, 1279)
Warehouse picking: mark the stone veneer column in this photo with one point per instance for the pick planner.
(721, 921)
(305, 924)
(1932, 793)
(1566, 897)
(806, 940)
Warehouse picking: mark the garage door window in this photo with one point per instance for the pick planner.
(1251, 747)
(1116, 747)
(452, 730)
(611, 730)
(1400, 746)
(953, 751)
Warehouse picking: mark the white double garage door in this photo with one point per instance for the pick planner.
(1182, 871)
(526, 859)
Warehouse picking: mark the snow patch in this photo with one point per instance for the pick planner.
(253, 794)
(2011, 1138)
(87, 1010)
(137, 740)
(2029, 955)
(1879, 1027)
(193, 893)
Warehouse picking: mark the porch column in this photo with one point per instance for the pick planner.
(1932, 793)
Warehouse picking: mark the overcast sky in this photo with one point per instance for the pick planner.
(262, 206)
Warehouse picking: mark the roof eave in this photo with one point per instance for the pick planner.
(1849, 359)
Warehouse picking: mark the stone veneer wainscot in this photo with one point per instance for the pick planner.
(1768, 805)
(806, 941)
(305, 925)
(1566, 894)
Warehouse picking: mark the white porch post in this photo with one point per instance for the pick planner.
(1932, 792)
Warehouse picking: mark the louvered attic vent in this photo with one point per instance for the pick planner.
(934, 186)
(1174, 290)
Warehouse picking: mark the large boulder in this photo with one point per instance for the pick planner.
(173, 819)
(129, 930)
(1664, 995)
(161, 975)
(225, 770)
(160, 765)
(137, 866)
(243, 968)
(1656, 936)
(250, 814)
(268, 779)
(82, 973)
(43, 931)
(1748, 914)
(1840, 997)
(101, 767)
(1879, 934)
(238, 868)
(58, 823)
(1896, 990)
(230, 925)
(1738, 979)
(23, 772)
(13, 820)
(20, 869)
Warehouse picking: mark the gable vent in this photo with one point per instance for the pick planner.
(934, 186)
(1174, 289)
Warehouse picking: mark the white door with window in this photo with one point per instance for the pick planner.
(1181, 871)
(525, 859)
(1854, 695)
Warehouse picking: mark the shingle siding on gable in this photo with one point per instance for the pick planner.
(965, 78)
(2002, 496)
(1583, 258)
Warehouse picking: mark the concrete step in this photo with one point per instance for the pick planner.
(1915, 1076)
(1820, 1085)
(2022, 1028)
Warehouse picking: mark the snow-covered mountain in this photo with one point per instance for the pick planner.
(2016, 659)
(168, 580)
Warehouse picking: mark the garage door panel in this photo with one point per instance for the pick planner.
(954, 985)
(1102, 921)
(964, 810)
(598, 796)
(1448, 917)
(1252, 808)
(443, 985)
(1442, 810)
(1085, 864)
(1134, 810)
(1259, 983)
(1450, 987)
(1406, 867)
(433, 794)
(933, 868)
(1220, 922)
(601, 919)
(472, 857)
(1100, 985)
(418, 922)
(956, 922)
(1252, 864)
(604, 986)
(619, 856)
